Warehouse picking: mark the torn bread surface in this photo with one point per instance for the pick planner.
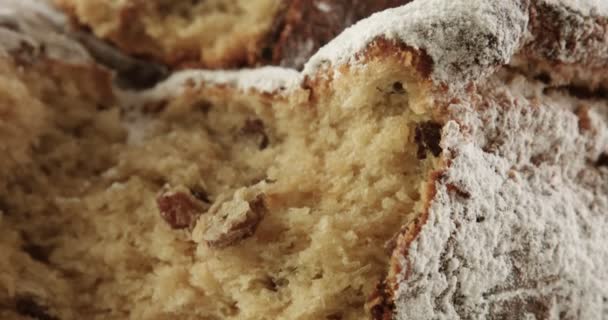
(215, 203)
(215, 196)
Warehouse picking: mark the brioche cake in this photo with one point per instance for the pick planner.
(221, 33)
(440, 160)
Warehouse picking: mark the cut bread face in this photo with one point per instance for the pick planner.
(19, 127)
(215, 33)
(218, 204)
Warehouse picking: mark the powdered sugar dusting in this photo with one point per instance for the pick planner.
(265, 80)
(585, 7)
(34, 26)
(323, 6)
(463, 37)
(529, 242)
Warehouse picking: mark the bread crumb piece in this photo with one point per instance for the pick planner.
(229, 222)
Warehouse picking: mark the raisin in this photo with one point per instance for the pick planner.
(427, 137)
(36, 252)
(26, 306)
(584, 121)
(200, 194)
(602, 161)
(179, 209)
(256, 127)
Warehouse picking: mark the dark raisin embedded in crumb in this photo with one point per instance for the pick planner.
(255, 127)
(480, 219)
(602, 161)
(428, 137)
(155, 107)
(334, 316)
(398, 87)
(178, 209)
(203, 106)
(274, 284)
(543, 77)
(584, 121)
(3, 207)
(266, 54)
(141, 75)
(36, 252)
(200, 194)
(26, 306)
(25, 54)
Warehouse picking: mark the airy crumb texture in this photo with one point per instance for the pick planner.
(209, 207)
(215, 33)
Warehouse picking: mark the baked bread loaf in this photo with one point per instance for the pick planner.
(441, 160)
(220, 33)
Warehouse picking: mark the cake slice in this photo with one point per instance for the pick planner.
(219, 33)
(419, 167)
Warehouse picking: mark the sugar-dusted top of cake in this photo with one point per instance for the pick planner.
(517, 227)
(464, 38)
(266, 80)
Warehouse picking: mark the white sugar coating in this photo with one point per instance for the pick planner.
(586, 7)
(530, 241)
(323, 6)
(265, 80)
(33, 23)
(464, 38)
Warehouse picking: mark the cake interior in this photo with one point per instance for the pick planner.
(211, 31)
(333, 179)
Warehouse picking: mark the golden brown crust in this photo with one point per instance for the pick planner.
(382, 303)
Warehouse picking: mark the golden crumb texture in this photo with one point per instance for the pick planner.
(214, 204)
(213, 33)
